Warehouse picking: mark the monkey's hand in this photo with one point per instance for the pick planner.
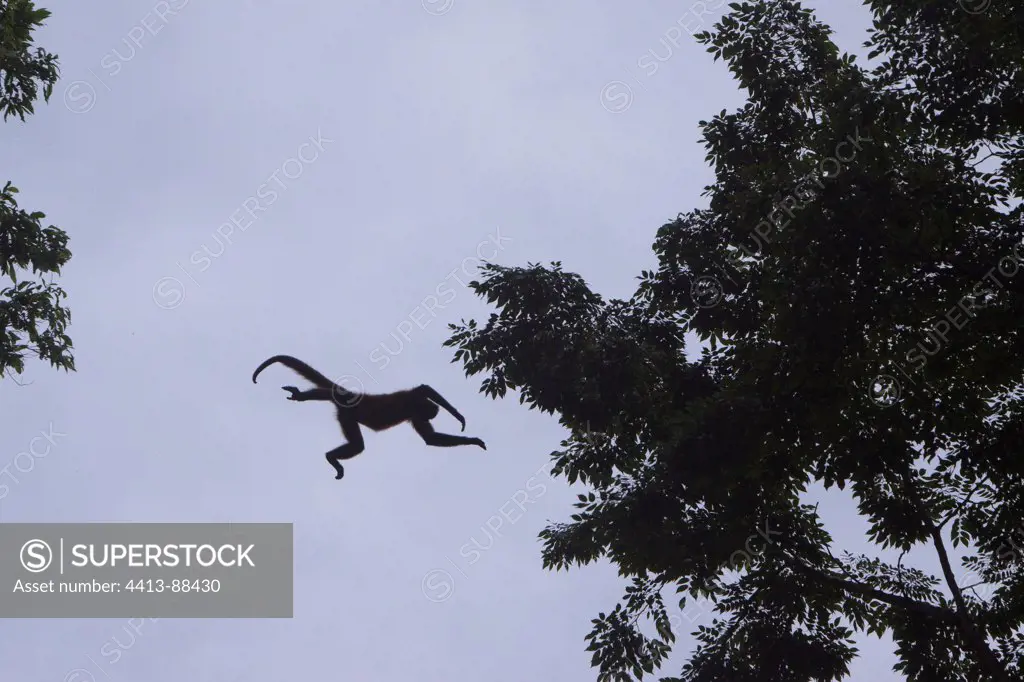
(477, 441)
(294, 392)
(462, 420)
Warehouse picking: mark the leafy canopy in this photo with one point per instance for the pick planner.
(32, 318)
(857, 279)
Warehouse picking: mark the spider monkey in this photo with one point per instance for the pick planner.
(375, 411)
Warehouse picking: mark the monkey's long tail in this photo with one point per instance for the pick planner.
(298, 366)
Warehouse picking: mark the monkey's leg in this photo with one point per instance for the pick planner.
(355, 445)
(442, 440)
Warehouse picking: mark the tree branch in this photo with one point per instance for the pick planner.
(974, 637)
(964, 503)
(906, 603)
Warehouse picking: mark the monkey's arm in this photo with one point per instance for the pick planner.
(436, 397)
(311, 394)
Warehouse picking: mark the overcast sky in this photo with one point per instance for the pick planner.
(421, 138)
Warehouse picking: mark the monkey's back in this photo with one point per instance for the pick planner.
(383, 411)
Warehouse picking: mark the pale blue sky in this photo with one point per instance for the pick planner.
(443, 123)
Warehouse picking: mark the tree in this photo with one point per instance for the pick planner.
(855, 282)
(32, 318)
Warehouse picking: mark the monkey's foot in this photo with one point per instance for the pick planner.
(337, 467)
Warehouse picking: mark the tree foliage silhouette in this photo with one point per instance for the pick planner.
(857, 281)
(32, 317)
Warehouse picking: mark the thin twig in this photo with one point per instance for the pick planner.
(964, 503)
